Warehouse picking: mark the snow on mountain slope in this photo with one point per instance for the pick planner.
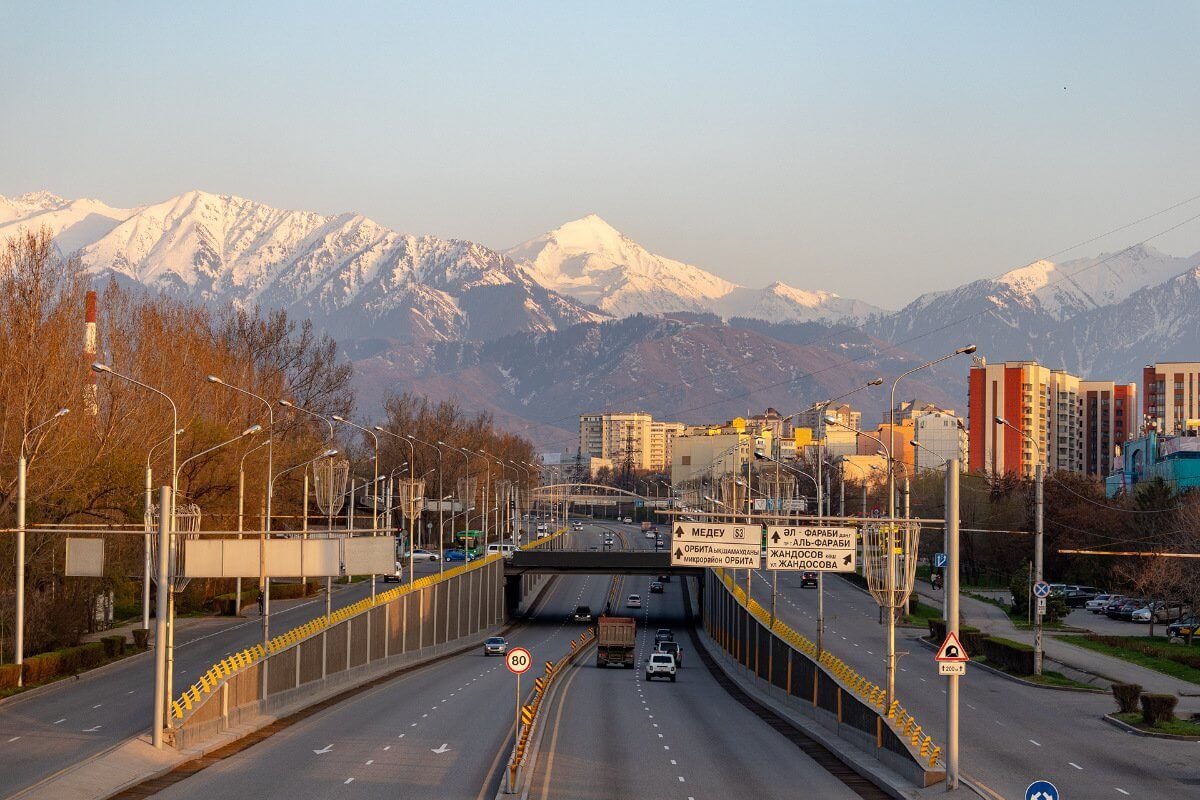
(593, 262)
(1063, 290)
(74, 223)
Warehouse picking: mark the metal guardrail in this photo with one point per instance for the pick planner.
(871, 693)
(222, 671)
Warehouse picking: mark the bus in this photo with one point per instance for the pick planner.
(470, 542)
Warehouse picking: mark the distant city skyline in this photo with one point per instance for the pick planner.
(871, 150)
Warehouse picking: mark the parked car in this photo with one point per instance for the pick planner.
(633, 601)
(656, 587)
(664, 635)
(674, 649)
(495, 646)
(660, 665)
(1078, 596)
(1159, 611)
(420, 555)
(1125, 610)
(1188, 626)
(582, 614)
(1098, 603)
(808, 579)
(1114, 604)
(394, 577)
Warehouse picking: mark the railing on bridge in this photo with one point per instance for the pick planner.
(775, 653)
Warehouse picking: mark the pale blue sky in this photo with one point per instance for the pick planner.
(874, 149)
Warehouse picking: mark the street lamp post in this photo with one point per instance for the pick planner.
(441, 502)
(820, 583)
(262, 555)
(160, 645)
(20, 621)
(264, 583)
(1038, 479)
(148, 503)
(374, 485)
(237, 597)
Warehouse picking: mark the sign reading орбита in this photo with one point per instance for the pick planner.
(715, 554)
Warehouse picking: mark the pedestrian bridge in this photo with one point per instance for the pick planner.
(594, 562)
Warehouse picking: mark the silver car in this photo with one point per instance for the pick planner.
(495, 646)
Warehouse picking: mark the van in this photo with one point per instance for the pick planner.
(505, 550)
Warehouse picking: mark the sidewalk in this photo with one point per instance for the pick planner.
(991, 619)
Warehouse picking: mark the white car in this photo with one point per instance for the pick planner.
(495, 646)
(578, 526)
(505, 550)
(390, 577)
(421, 555)
(1096, 604)
(660, 665)
(541, 528)
(633, 601)
(628, 521)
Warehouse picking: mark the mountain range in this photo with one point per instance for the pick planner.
(583, 317)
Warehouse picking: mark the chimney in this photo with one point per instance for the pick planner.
(89, 355)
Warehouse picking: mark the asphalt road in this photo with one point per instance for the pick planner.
(440, 731)
(44, 733)
(1011, 734)
(614, 735)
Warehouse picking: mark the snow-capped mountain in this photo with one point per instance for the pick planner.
(593, 262)
(356, 278)
(1080, 316)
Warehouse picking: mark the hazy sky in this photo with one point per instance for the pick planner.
(873, 149)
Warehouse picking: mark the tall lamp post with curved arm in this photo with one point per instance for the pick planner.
(374, 486)
(21, 467)
(1038, 477)
(262, 551)
(441, 502)
(466, 477)
(147, 569)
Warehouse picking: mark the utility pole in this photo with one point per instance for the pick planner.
(951, 583)
(1037, 566)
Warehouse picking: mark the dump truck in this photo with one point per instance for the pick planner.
(615, 641)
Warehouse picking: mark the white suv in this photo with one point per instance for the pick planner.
(660, 665)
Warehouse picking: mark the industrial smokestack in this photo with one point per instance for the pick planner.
(90, 405)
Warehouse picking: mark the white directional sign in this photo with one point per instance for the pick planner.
(746, 555)
(819, 549)
(716, 532)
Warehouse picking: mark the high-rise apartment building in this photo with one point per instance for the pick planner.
(1110, 417)
(844, 413)
(632, 438)
(943, 436)
(1170, 397)
(1072, 422)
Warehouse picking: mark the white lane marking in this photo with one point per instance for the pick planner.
(348, 781)
(681, 779)
(1122, 791)
(324, 750)
(445, 748)
(655, 724)
(131, 691)
(64, 719)
(401, 736)
(660, 736)
(92, 730)
(1073, 764)
(870, 653)
(1036, 743)
(673, 762)
(666, 747)
(971, 707)
(423, 716)
(10, 741)
(413, 725)
(387, 747)
(97, 705)
(998, 722)
(369, 763)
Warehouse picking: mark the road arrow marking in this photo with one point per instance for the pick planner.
(324, 750)
(443, 749)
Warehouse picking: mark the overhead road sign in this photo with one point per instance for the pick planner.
(716, 532)
(811, 548)
(746, 555)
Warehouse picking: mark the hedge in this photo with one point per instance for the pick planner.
(1158, 708)
(1127, 696)
(1015, 657)
(113, 646)
(8, 676)
(68, 661)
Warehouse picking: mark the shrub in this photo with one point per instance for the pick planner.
(1158, 708)
(8, 676)
(113, 646)
(68, 661)
(1127, 696)
(141, 638)
(1015, 657)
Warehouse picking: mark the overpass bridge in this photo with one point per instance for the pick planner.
(594, 562)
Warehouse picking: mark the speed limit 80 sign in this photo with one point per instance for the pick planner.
(518, 660)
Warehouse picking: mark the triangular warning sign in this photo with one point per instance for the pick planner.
(951, 649)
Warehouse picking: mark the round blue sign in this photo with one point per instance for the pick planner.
(1041, 589)
(1041, 790)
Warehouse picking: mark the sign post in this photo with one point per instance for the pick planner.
(698, 544)
(951, 663)
(518, 660)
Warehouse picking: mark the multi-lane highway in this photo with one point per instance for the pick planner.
(46, 731)
(1011, 734)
